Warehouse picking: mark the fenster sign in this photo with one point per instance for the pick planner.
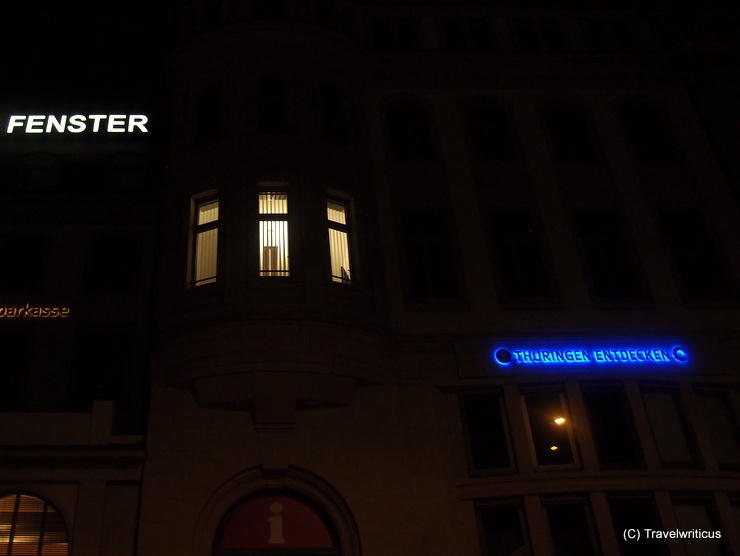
(76, 123)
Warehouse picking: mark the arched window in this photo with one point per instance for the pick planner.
(31, 525)
(272, 106)
(275, 523)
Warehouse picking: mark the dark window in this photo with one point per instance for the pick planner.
(550, 428)
(613, 428)
(526, 34)
(333, 120)
(569, 132)
(648, 132)
(100, 364)
(114, 263)
(637, 514)
(382, 33)
(503, 531)
(695, 254)
(491, 132)
(554, 37)
(410, 135)
(16, 350)
(429, 255)
(608, 258)
(598, 36)
(625, 35)
(693, 514)
(87, 178)
(455, 34)
(484, 417)
(518, 255)
(268, 9)
(670, 428)
(272, 106)
(572, 529)
(8, 177)
(208, 128)
(326, 15)
(211, 14)
(480, 36)
(407, 37)
(722, 426)
(22, 259)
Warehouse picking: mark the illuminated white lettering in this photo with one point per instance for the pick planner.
(34, 121)
(77, 124)
(96, 121)
(15, 121)
(116, 120)
(56, 124)
(139, 121)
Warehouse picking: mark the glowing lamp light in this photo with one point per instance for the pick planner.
(554, 448)
(559, 420)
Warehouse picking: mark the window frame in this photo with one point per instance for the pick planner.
(347, 229)
(196, 230)
(560, 391)
(276, 189)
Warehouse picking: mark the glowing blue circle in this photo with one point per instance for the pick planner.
(680, 354)
(503, 356)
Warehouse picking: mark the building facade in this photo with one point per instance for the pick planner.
(429, 280)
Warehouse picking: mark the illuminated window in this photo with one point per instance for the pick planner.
(550, 428)
(32, 526)
(205, 242)
(274, 255)
(336, 213)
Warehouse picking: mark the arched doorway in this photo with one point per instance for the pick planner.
(31, 525)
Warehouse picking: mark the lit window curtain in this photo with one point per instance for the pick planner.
(206, 242)
(274, 255)
(339, 242)
(30, 526)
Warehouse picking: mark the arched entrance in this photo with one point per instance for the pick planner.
(286, 512)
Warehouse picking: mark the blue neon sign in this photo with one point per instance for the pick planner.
(590, 354)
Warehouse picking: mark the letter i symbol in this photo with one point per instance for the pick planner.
(276, 524)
